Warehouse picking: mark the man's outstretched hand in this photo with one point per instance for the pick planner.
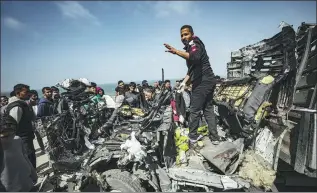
(170, 49)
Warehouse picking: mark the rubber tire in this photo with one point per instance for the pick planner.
(122, 180)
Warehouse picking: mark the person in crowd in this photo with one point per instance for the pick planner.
(177, 84)
(186, 95)
(108, 99)
(33, 103)
(118, 102)
(145, 84)
(17, 173)
(24, 116)
(60, 104)
(132, 97)
(4, 101)
(160, 84)
(46, 105)
(168, 85)
(150, 97)
(157, 87)
(93, 87)
(120, 85)
(203, 80)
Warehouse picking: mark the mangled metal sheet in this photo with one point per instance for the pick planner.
(209, 179)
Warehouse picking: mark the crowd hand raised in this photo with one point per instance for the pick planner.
(170, 49)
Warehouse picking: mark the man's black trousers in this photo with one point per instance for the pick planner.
(30, 150)
(202, 100)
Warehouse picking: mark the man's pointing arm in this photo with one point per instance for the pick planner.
(172, 50)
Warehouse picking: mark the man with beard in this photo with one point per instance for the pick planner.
(24, 116)
(46, 105)
(168, 85)
(203, 82)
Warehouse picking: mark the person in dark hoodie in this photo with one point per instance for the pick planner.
(203, 80)
(46, 105)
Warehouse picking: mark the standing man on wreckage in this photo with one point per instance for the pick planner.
(203, 80)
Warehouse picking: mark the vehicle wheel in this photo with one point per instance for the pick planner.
(122, 181)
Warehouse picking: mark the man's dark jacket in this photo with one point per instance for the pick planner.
(45, 108)
(198, 63)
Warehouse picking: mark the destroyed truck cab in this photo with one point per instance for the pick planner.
(275, 104)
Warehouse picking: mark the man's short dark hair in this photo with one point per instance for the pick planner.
(46, 88)
(93, 84)
(190, 28)
(34, 92)
(167, 81)
(121, 91)
(12, 94)
(120, 81)
(148, 89)
(54, 88)
(132, 84)
(18, 88)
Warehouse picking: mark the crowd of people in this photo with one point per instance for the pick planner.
(23, 107)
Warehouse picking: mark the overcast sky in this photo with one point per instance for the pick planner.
(45, 42)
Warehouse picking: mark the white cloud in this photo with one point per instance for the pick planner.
(13, 23)
(170, 8)
(75, 10)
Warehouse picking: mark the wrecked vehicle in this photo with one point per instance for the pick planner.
(252, 118)
(75, 157)
(291, 118)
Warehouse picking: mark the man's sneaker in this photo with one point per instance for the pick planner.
(194, 140)
(215, 139)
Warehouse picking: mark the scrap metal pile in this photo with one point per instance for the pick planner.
(151, 152)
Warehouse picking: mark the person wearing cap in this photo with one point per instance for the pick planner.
(203, 82)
